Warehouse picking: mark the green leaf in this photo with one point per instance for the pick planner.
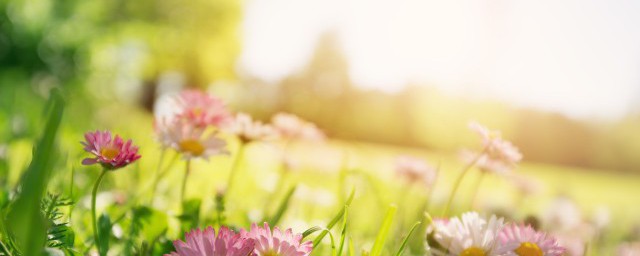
(406, 239)
(190, 216)
(221, 218)
(152, 222)
(284, 205)
(376, 250)
(27, 224)
(334, 220)
(104, 232)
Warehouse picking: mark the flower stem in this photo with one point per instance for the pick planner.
(157, 177)
(476, 189)
(456, 185)
(93, 206)
(184, 181)
(234, 166)
(432, 188)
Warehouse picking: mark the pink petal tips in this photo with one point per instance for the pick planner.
(110, 152)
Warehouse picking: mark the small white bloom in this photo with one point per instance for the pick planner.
(469, 235)
(249, 130)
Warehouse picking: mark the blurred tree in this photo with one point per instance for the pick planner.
(549, 137)
(322, 86)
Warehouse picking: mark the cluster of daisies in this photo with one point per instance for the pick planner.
(195, 120)
(259, 241)
(194, 126)
(497, 156)
(473, 235)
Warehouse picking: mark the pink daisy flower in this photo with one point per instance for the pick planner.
(202, 109)
(499, 155)
(521, 240)
(190, 140)
(110, 152)
(628, 249)
(206, 243)
(277, 243)
(292, 127)
(415, 170)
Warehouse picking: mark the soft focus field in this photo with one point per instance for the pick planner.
(325, 173)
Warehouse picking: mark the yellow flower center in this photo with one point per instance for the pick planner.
(109, 152)
(270, 253)
(529, 249)
(472, 251)
(196, 111)
(192, 146)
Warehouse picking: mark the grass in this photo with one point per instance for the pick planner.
(315, 190)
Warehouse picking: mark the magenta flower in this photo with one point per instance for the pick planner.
(110, 152)
(206, 243)
(520, 240)
(277, 243)
(202, 109)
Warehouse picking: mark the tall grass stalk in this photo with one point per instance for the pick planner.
(378, 245)
(284, 205)
(406, 239)
(343, 234)
(335, 220)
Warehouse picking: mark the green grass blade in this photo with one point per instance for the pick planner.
(282, 208)
(406, 239)
(378, 245)
(333, 244)
(310, 231)
(343, 235)
(334, 220)
(352, 249)
(27, 222)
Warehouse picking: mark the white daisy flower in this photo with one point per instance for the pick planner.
(249, 130)
(470, 235)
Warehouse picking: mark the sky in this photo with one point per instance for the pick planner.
(577, 57)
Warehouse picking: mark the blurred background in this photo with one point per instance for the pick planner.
(559, 79)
